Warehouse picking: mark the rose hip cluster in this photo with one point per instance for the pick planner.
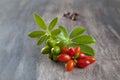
(72, 56)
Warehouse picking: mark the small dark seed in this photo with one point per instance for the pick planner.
(76, 14)
(66, 14)
(74, 19)
(70, 17)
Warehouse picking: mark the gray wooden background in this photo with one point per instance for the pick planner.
(20, 58)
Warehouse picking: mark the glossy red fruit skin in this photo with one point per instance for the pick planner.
(63, 57)
(69, 65)
(91, 59)
(71, 51)
(64, 49)
(77, 49)
(81, 56)
(82, 63)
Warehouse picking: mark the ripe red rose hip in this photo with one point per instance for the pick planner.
(77, 49)
(64, 49)
(71, 51)
(81, 56)
(82, 63)
(63, 57)
(69, 65)
(91, 59)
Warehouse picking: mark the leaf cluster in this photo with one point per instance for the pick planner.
(75, 37)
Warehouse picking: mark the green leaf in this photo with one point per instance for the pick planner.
(52, 23)
(77, 31)
(84, 39)
(72, 44)
(87, 50)
(55, 32)
(36, 34)
(64, 31)
(42, 39)
(39, 21)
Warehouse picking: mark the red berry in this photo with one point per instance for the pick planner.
(64, 49)
(91, 59)
(71, 51)
(69, 65)
(77, 49)
(81, 56)
(63, 57)
(82, 63)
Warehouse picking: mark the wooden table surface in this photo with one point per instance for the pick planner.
(20, 58)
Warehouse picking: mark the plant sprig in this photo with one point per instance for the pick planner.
(75, 37)
(45, 31)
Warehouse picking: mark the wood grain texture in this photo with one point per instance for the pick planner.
(20, 58)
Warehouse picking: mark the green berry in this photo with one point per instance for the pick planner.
(50, 42)
(55, 50)
(61, 43)
(55, 58)
(45, 50)
(50, 55)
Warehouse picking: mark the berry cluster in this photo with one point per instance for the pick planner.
(72, 56)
